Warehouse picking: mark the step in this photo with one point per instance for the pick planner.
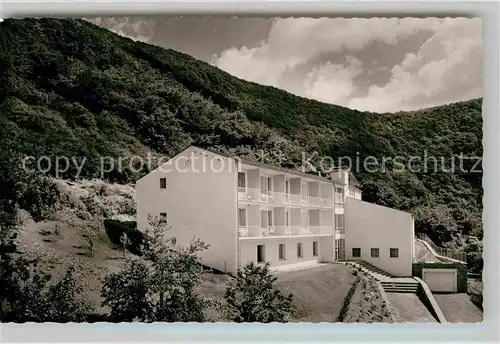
(402, 288)
(402, 285)
(400, 291)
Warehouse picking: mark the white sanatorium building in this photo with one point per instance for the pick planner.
(249, 211)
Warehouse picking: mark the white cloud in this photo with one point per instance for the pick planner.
(446, 68)
(333, 82)
(137, 29)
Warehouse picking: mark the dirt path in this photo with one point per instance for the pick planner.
(458, 308)
(407, 307)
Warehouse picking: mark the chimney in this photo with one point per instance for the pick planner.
(340, 177)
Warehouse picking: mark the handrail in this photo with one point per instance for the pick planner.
(277, 197)
(443, 257)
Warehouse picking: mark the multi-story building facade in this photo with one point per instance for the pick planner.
(248, 211)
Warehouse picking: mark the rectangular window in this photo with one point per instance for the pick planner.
(356, 252)
(374, 252)
(261, 253)
(394, 252)
(299, 250)
(339, 221)
(339, 195)
(270, 218)
(241, 179)
(305, 192)
(263, 185)
(315, 248)
(263, 219)
(163, 183)
(269, 184)
(342, 248)
(242, 217)
(282, 252)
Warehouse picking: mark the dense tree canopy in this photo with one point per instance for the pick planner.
(70, 88)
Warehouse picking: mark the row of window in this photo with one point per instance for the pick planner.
(375, 252)
(261, 251)
(268, 214)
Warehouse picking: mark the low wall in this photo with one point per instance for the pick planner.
(365, 302)
(459, 266)
(425, 295)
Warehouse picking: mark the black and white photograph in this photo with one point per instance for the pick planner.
(241, 169)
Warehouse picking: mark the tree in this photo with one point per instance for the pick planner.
(125, 242)
(126, 292)
(161, 284)
(474, 251)
(253, 298)
(28, 293)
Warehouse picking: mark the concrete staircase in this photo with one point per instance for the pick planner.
(390, 283)
(372, 269)
(409, 286)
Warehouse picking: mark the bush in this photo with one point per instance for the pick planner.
(253, 298)
(115, 229)
(159, 286)
(28, 295)
(31, 191)
(126, 292)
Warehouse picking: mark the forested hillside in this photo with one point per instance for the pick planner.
(70, 88)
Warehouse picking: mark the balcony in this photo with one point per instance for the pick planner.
(280, 198)
(319, 230)
(339, 230)
(300, 230)
(259, 232)
(256, 231)
(243, 231)
(282, 231)
(293, 199)
(249, 195)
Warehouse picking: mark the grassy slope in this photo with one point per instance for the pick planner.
(70, 88)
(319, 292)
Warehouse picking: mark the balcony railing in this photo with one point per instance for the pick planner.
(257, 232)
(321, 229)
(281, 198)
(293, 199)
(300, 230)
(243, 231)
(282, 231)
(339, 230)
(445, 252)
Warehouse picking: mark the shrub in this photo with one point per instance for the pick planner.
(126, 292)
(115, 229)
(253, 298)
(159, 286)
(31, 191)
(28, 294)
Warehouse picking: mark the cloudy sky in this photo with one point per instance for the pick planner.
(373, 64)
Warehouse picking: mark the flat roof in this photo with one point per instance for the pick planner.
(269, 166)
